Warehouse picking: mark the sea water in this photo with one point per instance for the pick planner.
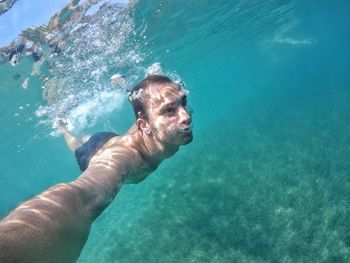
(266, 178)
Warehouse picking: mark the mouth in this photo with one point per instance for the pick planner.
(186, 128)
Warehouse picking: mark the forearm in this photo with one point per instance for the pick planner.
(97, 188)
(54, 226)
(51, 227)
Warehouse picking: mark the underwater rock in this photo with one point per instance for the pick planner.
(25, 83)
(116, 79)
(51, 90)
(16, 76)
(36, 69)
(5, 5)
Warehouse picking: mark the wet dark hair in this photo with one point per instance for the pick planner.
(136, 97)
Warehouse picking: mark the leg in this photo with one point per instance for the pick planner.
(85, 138)
(72, 142)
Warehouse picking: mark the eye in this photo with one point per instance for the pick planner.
(169, 110)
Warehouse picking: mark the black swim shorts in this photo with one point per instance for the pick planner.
(85, 152)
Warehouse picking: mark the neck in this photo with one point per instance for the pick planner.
(159, 151)
(152, 150)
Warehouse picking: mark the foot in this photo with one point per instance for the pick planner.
(61, 125)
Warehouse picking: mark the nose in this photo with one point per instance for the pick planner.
(185, 117)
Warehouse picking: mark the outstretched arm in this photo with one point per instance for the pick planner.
(54, 226)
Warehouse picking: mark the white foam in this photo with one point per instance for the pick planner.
(87, 113)
(155, 69)
(292, 41)
(81, 90)
(283, 36)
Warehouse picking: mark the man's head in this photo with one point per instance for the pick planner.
(160, 107)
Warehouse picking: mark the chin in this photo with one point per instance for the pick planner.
(187, 139)
(180, 139)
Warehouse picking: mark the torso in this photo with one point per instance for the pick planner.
(127, 151)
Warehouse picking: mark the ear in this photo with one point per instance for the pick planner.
(143, 125)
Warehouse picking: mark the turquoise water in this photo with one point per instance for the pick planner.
(266, 178)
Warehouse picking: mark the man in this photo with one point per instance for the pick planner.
(54, 226)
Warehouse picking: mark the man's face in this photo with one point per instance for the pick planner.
(168, 117)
